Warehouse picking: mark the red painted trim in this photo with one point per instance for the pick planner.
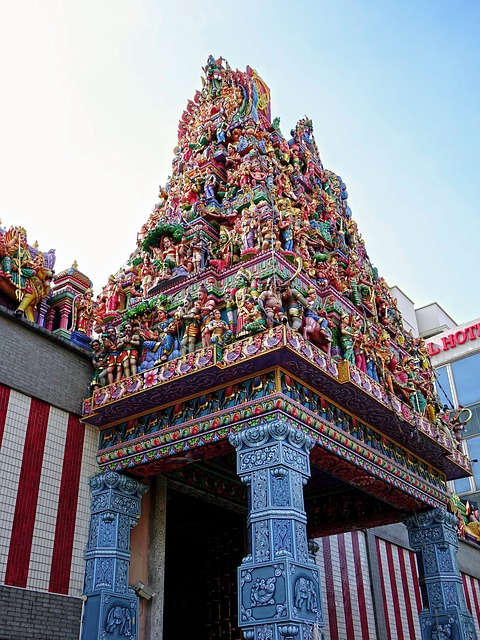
(467, 592)
(475, 597)
(384, 591)
(67, 507)
(415, 580)
(406, 591)
(330, 588)
(4, 400)
(393, 585)
(362, 605)
(347, 602)
(27, 495)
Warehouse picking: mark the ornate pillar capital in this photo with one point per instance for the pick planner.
(277, 430)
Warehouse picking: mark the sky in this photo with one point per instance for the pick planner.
(92, 93)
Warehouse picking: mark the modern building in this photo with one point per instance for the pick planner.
(455, 354)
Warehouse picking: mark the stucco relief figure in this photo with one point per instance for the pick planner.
(217, 330)
(113, 351)
(120, 620)
(473, 515)
(129, 343)
(271, 302)
(159, 342)
(442, 632)
(99, 362)
(83, 312)
(190, 316)
(17, 261)
(317, 330)
(305, 594)
(294, 303)
(263, 592)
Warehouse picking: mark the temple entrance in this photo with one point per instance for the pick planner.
(205, 544)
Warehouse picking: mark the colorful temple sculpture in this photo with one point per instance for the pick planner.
(25, 275)
(62, 303)
(249, 324)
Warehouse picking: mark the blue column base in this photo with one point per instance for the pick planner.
(109, 616)
(285, 631)
(450, 624)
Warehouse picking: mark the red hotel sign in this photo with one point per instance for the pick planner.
(454, 339)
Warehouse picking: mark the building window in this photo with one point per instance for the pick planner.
(466, 374)
(462, 486)
(473, 425)
(473, 445)
(444, 389)
(458, 383)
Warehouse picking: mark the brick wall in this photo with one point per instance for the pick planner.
(41, 365)
(34, 615)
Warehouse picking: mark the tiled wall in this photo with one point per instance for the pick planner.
(16, 413)
(346, 589)
(45, 502)
(347, 572)
(82, 520)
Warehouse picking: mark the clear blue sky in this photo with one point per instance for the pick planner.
(92, 92)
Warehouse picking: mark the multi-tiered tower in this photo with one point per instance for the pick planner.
(250, 317)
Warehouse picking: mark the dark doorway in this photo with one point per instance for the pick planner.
(204, 547)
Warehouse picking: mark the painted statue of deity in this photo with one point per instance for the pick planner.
(24, 277)
(83, 310)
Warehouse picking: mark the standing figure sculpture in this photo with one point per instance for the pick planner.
(83, 312)
(99, 362)
(294, 303)
(189, 316)
(129, 344)
(347, 335)
(113, 351)
(237, 297)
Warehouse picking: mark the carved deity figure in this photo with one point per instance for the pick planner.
(83, 312)
(23, 278)
(129, 343)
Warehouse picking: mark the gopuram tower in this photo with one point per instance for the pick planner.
(250, 354)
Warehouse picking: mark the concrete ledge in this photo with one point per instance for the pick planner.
(40, 364)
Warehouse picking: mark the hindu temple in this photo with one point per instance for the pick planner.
(254, 384)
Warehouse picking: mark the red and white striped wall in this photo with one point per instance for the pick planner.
(402, 601)
(471, 586)
(347, 589)
(46, 458)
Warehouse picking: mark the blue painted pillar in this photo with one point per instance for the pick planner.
(111, 607)
(279, 595)
(433, 536)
